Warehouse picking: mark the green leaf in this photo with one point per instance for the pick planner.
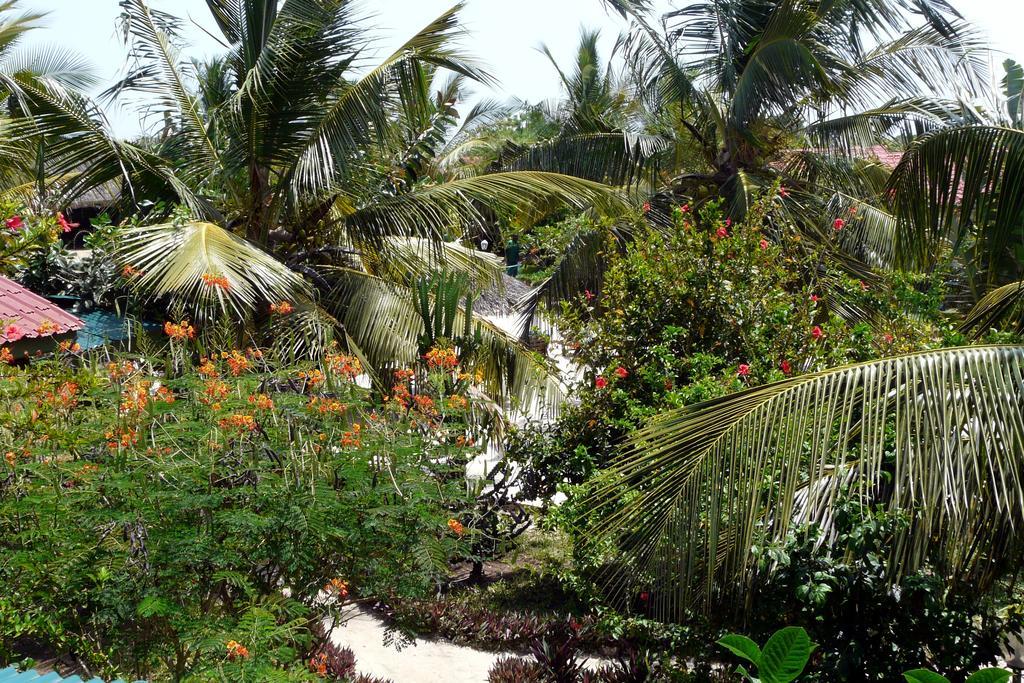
(989, 676)
(744, 647)
(924, 676)
(785, 655)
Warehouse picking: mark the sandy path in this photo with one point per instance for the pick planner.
(429, 661)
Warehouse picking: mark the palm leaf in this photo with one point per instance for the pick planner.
(173, 260)
(937, 435)
(952, 179)
(1002, 305)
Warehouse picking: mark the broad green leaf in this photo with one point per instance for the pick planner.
(989, 676)
(924, 676)
(741, 646)
(785, 655)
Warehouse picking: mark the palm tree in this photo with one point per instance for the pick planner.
(937, 436)
(308, 175)
(49, 69)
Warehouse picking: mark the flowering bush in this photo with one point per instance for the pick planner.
(711, 307)
(201, 523)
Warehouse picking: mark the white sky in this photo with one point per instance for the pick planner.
(504, 35)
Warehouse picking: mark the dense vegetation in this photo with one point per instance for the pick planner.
(764, 377)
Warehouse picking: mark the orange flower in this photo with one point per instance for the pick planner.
(135, 398)
(165, 394)
(348, 367)
(312, 377)
(239, 423)
(318, 665)
(425, 404)
(457, 403)
(6, 356)
(122, 438)
(456, 526)
(180, 331)
(338, 587)
(283, 308)
(130, 271)
(68, 346)
(47, 327)
(326, 406)
(208, 369)
(237, 362)
(119, 372)
(215, 390)
(261, 402)
(236, 650)
(11, 458)
(219, 281)
(442, 359)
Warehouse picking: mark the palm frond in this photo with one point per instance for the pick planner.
(180, 261)
(937, 435)
(954, 179)
(615, 158)
(1003, 305)
(430, 211)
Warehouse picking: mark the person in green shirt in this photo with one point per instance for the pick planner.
(512, 257)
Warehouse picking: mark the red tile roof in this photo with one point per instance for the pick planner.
(28, 312)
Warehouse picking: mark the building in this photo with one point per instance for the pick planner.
(29, 324)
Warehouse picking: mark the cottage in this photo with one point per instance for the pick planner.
(29, 324)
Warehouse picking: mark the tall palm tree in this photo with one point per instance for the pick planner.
(308, 174)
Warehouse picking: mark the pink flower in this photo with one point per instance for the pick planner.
(622, 372)
(839, 224)
(888, 338)
(600, 382)
(723, 232)
(15, 223)
(728, 222)
(645, 596)
(783, 192)
(785, 367)
(853, 210)
(744, 370)
(590, 295)
(13, 333)
(764, 244)
(647, 207)
(817, 332)
(685, 208)
(815, 298)
(63, 223)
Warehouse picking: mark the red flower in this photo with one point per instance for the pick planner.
(13, 333)
(723, 232)
(744, 370)
(888, 338)
(63, 223)
(853, 210)
(783, 192)
(815, 298)
(863, 286)
(645, 596)
(647, 207)
(600, 382)
(817, 332)
(622, 372)
(839, 224)
(728, 222)
(589, 295)
(685, 208)
(785, 367)
(764, 244)
(15, 223)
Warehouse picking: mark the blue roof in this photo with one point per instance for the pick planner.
(12, 675)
